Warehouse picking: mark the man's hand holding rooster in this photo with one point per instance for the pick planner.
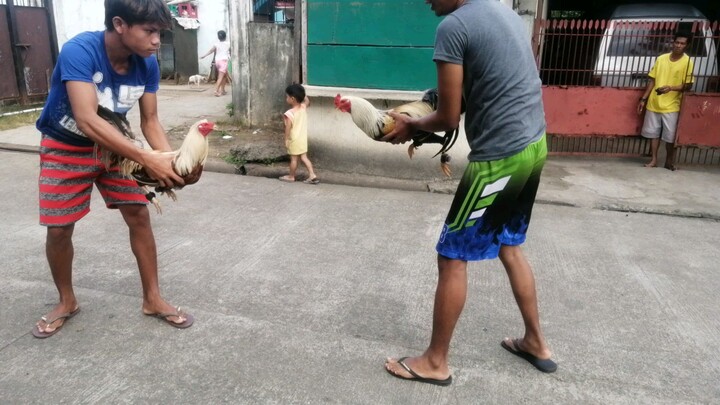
(159, 166)
(403, 131)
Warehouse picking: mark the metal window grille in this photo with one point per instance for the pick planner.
(621, 53)
(24, 3)
(274, 11)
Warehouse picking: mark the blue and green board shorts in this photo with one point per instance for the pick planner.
(492, 205)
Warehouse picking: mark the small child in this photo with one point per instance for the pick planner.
(221, 49)
(296, 132)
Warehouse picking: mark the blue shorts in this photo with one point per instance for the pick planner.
(492, 205)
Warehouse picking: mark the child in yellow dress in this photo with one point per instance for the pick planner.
(296, 133)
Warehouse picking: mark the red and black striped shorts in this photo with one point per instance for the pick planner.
(67, 174)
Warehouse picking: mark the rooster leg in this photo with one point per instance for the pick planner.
(444, 164)
(445, 168)
(411, 150)
(153, 199)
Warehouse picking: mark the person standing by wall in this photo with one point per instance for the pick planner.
(221, 49)
(669, 77)
(483, 56)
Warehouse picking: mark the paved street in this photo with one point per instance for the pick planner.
(300, 292)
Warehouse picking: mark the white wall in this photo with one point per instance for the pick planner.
(213, 16)
(75, 16)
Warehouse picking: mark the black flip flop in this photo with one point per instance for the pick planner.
(544, 365)
(416, 377)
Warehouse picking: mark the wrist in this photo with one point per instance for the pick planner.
(643, 99)
(141, 157)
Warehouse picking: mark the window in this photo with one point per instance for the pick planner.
(639, 41)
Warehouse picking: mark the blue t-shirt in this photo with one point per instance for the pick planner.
(84, 59)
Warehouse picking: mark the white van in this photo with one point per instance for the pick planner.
(637, 34)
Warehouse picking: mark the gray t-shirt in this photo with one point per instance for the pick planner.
(502, 88)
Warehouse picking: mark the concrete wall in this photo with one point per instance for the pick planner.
(272, 50)
(213, 16)
(73, 17)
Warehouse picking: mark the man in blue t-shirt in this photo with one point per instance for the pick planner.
(483, 56)
(114, 68)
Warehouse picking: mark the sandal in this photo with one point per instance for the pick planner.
(314, 180)
(189, 319)
(65, 317)
(286, 179)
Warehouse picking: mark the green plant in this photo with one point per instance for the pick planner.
(18, 120)
(234, 160)
(230, 109)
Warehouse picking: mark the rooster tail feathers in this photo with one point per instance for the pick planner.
(448, 141)
(127, 167)
(108, 158)
(117, 120)
(431, 97)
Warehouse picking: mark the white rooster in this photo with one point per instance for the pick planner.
(188, 163)
(377, 123)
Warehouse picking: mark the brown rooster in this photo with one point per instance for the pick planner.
(188, 162)
(377, 123)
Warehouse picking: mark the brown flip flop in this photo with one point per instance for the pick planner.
(189, 319)
(416, 377)
(66, 316)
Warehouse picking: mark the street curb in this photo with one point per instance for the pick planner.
(217, 165)
(648, 210)
(19, 148)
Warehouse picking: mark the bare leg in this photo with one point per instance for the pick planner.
(60, 252)
(670, 159)
(449, 302)
(142, 243)
(223, 83)
(218, 83)
(654, 146)
(293, 166)
(522, 282)
(308, 166)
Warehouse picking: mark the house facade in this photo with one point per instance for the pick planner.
(74, 17)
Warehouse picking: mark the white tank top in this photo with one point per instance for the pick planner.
(222, 50)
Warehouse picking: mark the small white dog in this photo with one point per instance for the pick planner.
(197, 79)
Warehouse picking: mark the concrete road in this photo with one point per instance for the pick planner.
(301, 291)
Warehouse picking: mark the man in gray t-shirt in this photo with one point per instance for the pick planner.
(483, 55)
